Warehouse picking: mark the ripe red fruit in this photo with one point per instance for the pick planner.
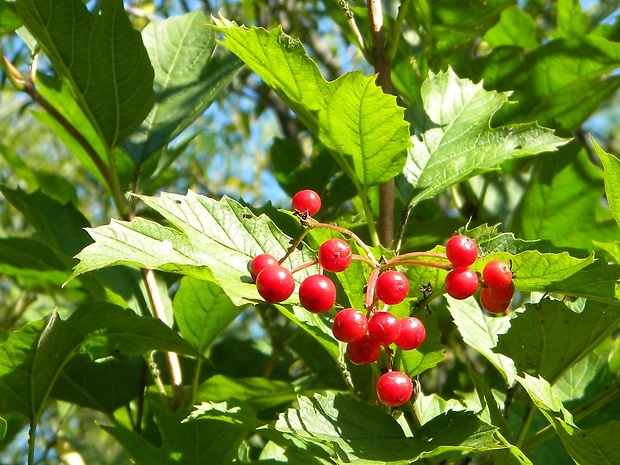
(335, 255)
(307, 201)
(317, 293)
(275, 283)
(412, 333)
(461, 283)
(349, 325)
(384, 328)
(461, 250)
(259, 263)
(394, 388)
(497, 274)
(502, 294)
(392, 287)
(490, 304)
(363, 351)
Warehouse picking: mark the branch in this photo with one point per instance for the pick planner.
(383, 69)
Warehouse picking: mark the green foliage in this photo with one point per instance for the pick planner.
(124, 250)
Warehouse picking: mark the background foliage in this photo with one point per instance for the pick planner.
(497, 118)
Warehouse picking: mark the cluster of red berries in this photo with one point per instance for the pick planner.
(462, 282)
(366, 333)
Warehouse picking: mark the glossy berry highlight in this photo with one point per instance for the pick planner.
(349, 325)
(335, 255)
(412, 333)
(363, 351)
(259, 263)
(461, 283)
(317, 293)
(307, 201)
(461, 250)
(497, 274)
(394, 388)
(275, 284)
(392, 287)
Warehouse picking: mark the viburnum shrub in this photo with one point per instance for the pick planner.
(229, 344)
(375, 329)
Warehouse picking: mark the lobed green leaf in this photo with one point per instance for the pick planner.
(457, 141)
(362, 127)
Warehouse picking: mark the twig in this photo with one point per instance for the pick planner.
(396, 30)
(172, 359)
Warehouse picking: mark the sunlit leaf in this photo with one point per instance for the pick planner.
(457, 140)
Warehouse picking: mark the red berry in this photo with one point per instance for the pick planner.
(497, 274)
(275, 284)
(461, 283)
(461, 250)
(307, 201)
(490, 304)
(384, 328)
(412, 333)
(317, 293)
(502, 294)
(363, 351)
(394, 388)
(259, 263)
(349, 325)
(392, 287)
(334, 255)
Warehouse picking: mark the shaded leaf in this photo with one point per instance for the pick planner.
(595, 446)
(351, 430)
(214, 439)
(258, 393)
(103, 385)
(457, 141)
(560, 84)
(60, 226)
(33, 358)
(102, 57)
(611, 167)
(202, 310)
(564, 186)
(548, 338)
(514, 28)
(188, 78)
(2, 428)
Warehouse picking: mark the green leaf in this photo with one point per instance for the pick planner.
(361, 126)
(548, 338)
(8, 21)
(2, 428)
(104, 385)
(33, 259)
(351, 430)
(558, 180)
(202, 310)
(188, 78)
(60, 95)
(611, 167)
(60, 226)
(481, 332)
(101, 56)
(559, 84)
(515, 28)
(457, 141)
(596, 446)
(214, 241)
(33, 358)
(215, 439)
(258, 393)
(431, 406)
